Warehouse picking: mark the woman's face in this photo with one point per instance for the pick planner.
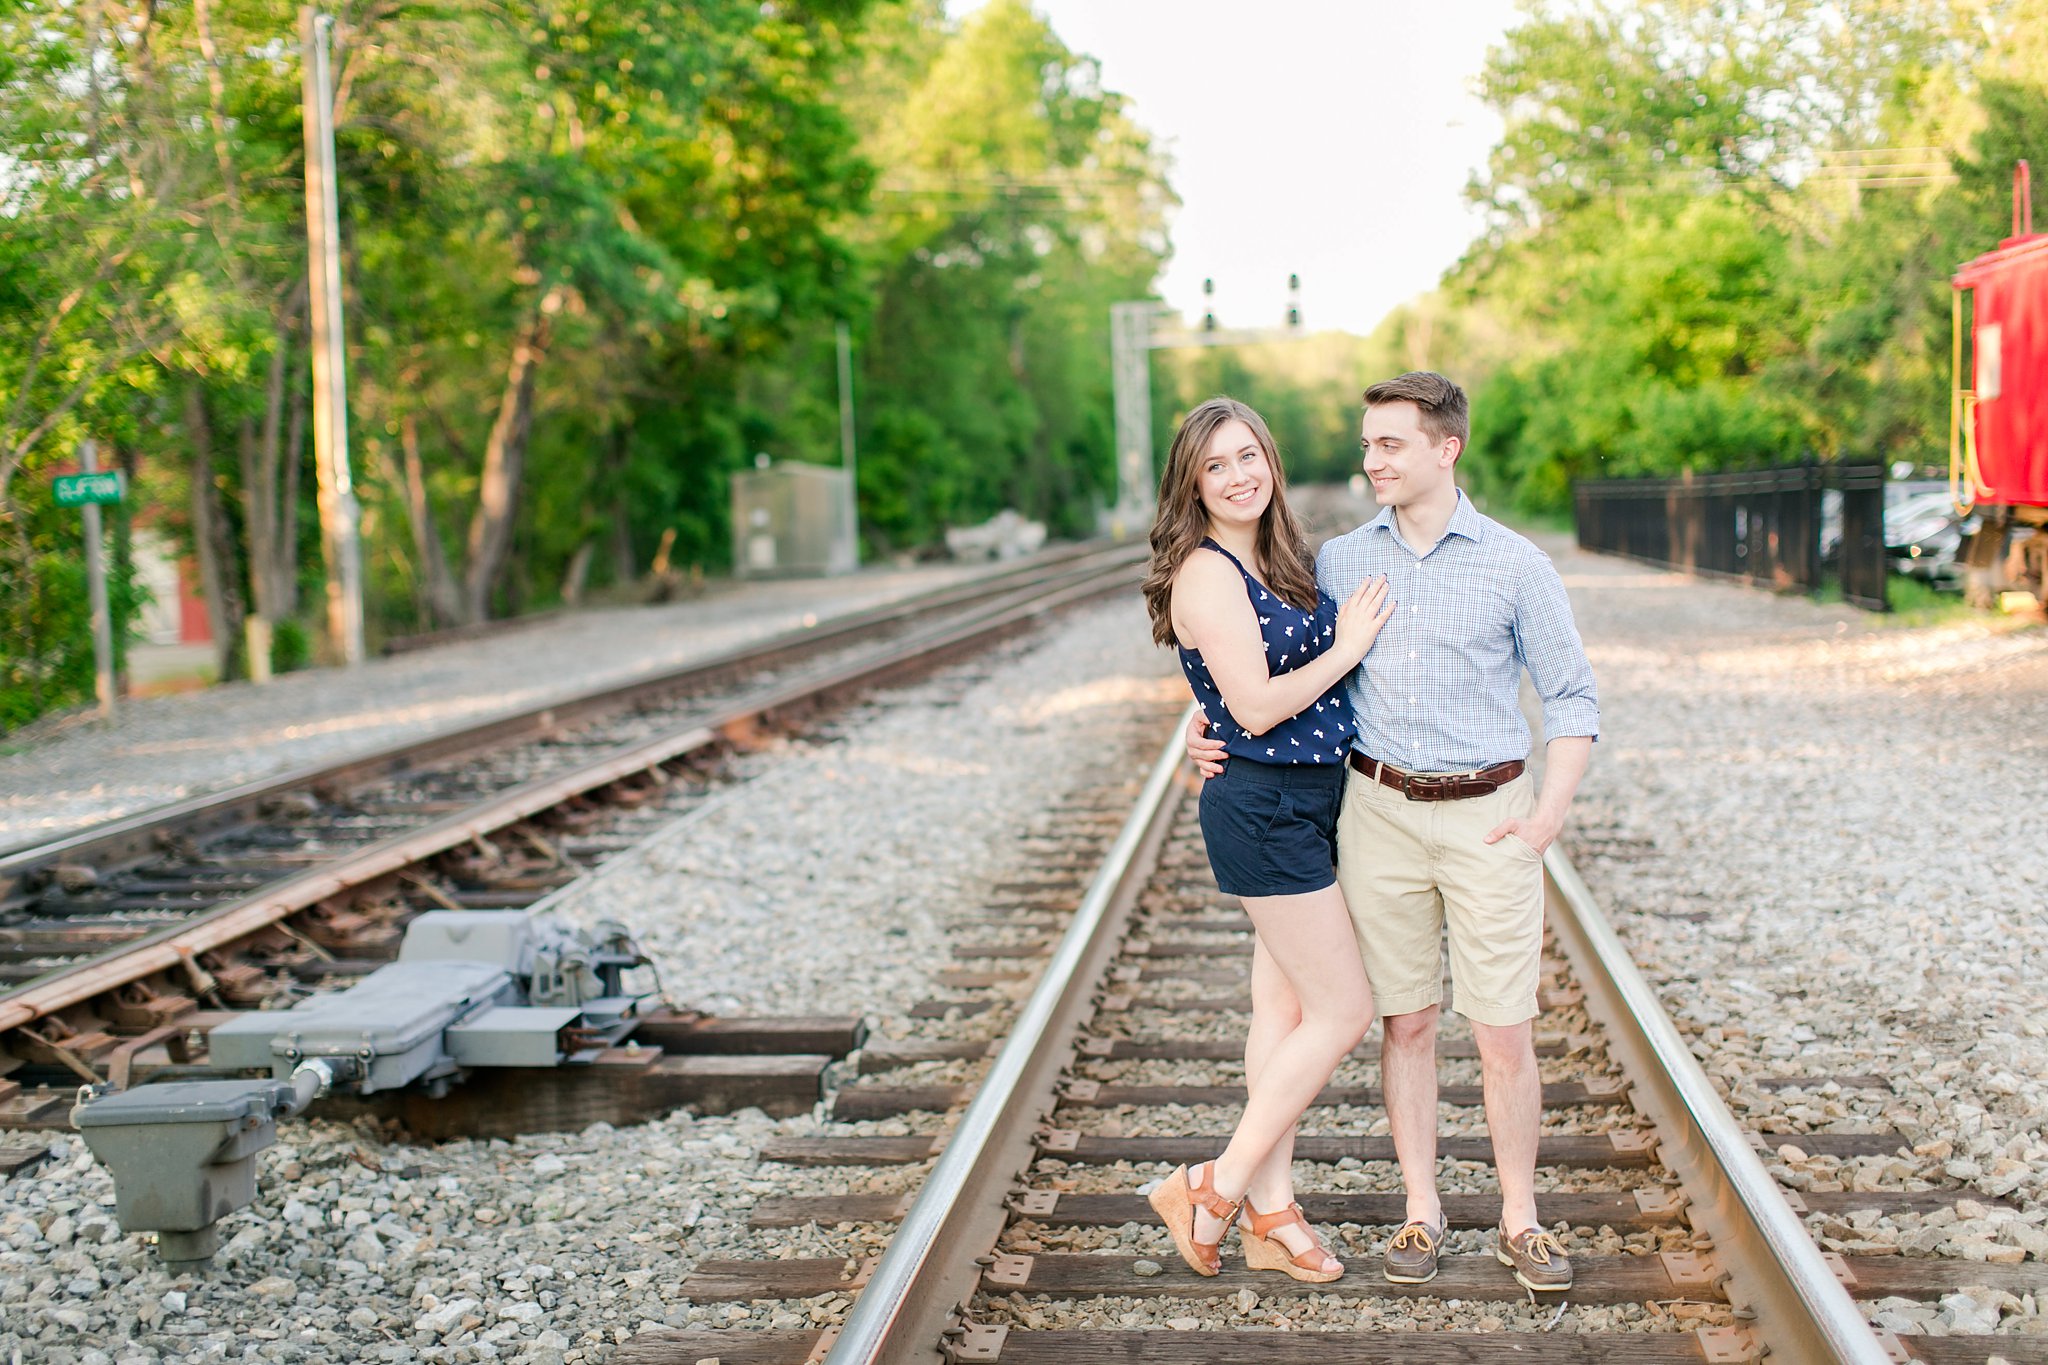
(1234, 480)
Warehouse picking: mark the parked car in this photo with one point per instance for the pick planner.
(1922, 533)
(1903, 500)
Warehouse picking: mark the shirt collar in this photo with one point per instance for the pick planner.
(1465, 521)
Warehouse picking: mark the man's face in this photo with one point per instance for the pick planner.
(1401, 460)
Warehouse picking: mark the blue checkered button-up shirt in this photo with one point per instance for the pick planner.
(1438, 691)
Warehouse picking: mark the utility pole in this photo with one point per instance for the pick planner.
(340, 544)
(845, 338)
(96, 587)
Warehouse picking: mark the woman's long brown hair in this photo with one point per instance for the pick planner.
(1182, 521)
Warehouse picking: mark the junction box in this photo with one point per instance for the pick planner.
(792, 520)
(183, 1154)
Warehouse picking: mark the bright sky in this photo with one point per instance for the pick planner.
(1330, 138)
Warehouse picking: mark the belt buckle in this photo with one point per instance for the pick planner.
(1429, 786)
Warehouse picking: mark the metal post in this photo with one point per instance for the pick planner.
(1130, 346)
(339, 541)
(96, 590)
(1134, 333)
(845, 338)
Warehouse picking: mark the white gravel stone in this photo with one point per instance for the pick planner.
(821, 886)
(65, 772)
(1816, 829)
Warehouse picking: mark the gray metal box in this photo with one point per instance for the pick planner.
(182, 1152)
(512, 1035)
(503, 938)
(792, 521)
(393, 1020)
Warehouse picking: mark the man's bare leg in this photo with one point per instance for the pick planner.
(1408, 1073)
(1514, 1109)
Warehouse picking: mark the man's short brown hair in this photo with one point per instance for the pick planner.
(1441, 403)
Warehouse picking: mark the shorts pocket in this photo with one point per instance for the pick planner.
(1281, 806)
(1244, 812)
(1521, 846)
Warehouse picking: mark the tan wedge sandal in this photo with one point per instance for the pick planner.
(1262, 1251)
(1175, 1201)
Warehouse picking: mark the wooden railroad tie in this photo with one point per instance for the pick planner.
(1626, 1150)
(872, 1102)
(1263, 1346)
(1624, 1211)
(890, 1054)
(1474, 1277)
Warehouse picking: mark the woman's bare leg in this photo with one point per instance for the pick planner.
(1276, 1012)
(1311, 941)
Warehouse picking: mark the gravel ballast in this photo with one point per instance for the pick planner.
(1819, 833)
(65, 773)
(818, 886)
(1813, 827)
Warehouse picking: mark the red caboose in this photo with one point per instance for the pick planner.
(1998, 427)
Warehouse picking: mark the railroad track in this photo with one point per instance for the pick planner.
(1027, 1239)
(121, 944)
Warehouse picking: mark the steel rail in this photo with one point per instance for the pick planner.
(1803, 1312)
(929, 1270)
(170, 948)
(135, 835)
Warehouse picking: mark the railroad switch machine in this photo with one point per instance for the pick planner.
(470, 990)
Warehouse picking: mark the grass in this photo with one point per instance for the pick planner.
(1914, 602)
(1918, 603)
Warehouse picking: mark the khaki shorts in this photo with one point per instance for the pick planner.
(1409, 867)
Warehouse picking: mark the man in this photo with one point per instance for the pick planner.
(1440, 824)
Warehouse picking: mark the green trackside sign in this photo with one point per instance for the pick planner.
(77, 490)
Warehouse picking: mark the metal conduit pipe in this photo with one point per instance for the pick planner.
(929, 1268)
(1803, 1312)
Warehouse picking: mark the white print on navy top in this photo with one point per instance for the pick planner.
(1330, 719)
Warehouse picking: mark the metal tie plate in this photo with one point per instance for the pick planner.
(1009, 1272)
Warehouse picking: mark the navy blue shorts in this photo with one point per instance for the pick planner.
(1271, 828)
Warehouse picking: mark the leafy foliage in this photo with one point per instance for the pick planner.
(1698, 241)
(594, 257)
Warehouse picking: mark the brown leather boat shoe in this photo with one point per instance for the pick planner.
(1537, 1258)
(1411, 1256)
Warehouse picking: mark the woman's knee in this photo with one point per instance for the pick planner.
(1347, 1020)
(1358, 1022)
(1277, 1009)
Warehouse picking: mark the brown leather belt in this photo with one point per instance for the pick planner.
(1439, 786)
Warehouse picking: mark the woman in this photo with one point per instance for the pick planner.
(1232, 584)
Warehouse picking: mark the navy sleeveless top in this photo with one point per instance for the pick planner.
(1320, 734)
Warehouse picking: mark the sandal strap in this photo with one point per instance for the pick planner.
(1313, 1258)
(1264, 1224)
(1204, 1195)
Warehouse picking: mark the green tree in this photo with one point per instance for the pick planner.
(593, 258)
(1017, 202)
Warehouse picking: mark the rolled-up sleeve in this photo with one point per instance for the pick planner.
(1547, 642)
